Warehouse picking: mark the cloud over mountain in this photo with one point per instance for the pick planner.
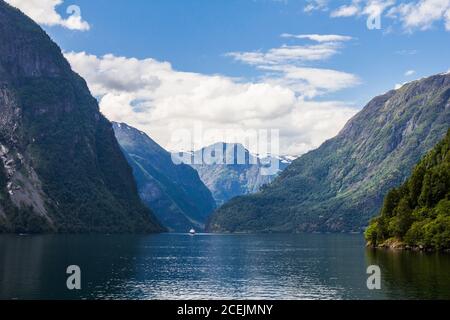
(152, 96)
(44, 12)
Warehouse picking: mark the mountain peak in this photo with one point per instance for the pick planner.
(340, 185)
(61, 168)
(178, 197)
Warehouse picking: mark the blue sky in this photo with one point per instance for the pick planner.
(194, 35)
(197, 36)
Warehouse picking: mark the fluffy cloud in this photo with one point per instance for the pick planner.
(318, 37)
(409, 73)
(311, 123)
(374, 8)
(422, 14)
(345, 11)
(311, 82)
(285, 65)
(288, 54)
(44, 12)
(159, 100)
(369, 8)
(314, 5)
(412, 15)
(411, 52)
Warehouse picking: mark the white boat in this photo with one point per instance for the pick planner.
(192, 232)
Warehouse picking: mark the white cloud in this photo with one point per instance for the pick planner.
(288, 54)
(314, 5)
(286, 65)
(311, 82)
(345, 11)
(412, 15)
(44, 12)
(369, 8)
(157, 99)
(407, 52)
(375, 8)
(422, 14)
(318, 37)
(327, 46)
(399, 85)
(409, 73)
(311, 123)
(447, 20)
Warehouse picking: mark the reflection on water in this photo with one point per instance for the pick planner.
(175, 266)
(413, 275)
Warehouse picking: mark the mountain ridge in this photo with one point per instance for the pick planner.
(340, 186)
(61, 167)
(417, 213)
(230, 176)
(175, 192)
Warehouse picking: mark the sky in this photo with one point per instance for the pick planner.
(209, 68)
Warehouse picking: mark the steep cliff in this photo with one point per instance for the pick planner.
(341, 185)
(417, 214)
(227, 180)
(61, 168)
(174, 192)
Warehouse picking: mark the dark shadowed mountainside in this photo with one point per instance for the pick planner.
(174, 192)
(61, 168)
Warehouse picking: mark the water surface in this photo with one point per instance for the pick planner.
(178, 266)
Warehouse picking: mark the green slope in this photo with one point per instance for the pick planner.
(175, 193)
(418, 212)
(61, 167)
(341, 185)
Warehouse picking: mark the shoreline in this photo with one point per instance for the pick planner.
(397, 245)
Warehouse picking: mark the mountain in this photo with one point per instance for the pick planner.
(61, 168)
(228, 179)
(417, 213)
(178, 197)
(340, 186)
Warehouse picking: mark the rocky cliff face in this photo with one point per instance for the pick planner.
(229, 179)
(341, 185)
(61, 169)
(175, 192)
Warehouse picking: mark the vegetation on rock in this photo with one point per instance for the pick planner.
(61, 168)
(417, 213)
(340, 186)
(174, 192)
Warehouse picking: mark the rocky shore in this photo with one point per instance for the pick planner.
(396, 244)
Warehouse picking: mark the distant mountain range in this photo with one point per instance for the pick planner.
(341, 185)
(183, 195)
(61, 168)
(174, 192)
(234, 175)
